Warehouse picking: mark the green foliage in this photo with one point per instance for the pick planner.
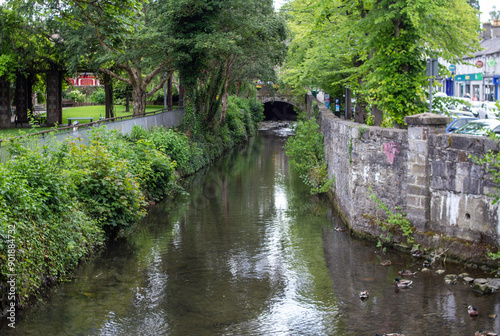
(104, 183)
(221, 44)
(25, 43)
(378, 49)
(175, 145)
(256, 110)
(52, 230)
(98, 96)
(395, 222)
(305, 151)
(76, 96)
(154, 170)
(494, 14)
(235, 118)
(370, 120)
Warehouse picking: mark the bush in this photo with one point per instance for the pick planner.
(305, 151)
(177, 146)
(154, 169)
(76, 96)
(235, 119)
(256, 110)
(98, 96)
(41, 216)
(105, 185)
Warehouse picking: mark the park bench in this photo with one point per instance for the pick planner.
(67, 103)
(39, 114)
(79, 118)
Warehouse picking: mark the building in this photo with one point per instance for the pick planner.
(84, 79)
(479, 77)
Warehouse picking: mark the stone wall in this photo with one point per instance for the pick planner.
(423, 171)
(459, 188)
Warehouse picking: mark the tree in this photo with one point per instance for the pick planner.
(380, 47)
(494, 14)
(119, 39)
(25, 45)
(221, 42)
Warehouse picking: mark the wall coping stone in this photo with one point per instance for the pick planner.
(427, 119)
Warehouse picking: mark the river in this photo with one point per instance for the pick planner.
(250, 252)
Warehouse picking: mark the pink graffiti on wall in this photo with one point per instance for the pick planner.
(391, 150)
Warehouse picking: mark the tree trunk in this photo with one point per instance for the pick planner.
(139, 101)
(108, 91)
(170, 102)
(181, 93)
(360, 112)
(348, 104)
(378, 116)
(225, 96)
(238, 85)
(127, 101)
(5, 109)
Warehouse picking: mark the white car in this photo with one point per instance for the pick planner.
(488, 110)
(453, 112)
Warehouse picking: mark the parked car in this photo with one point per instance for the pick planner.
(488, 110)
(480, 127)
(458, 122)
(457, 113)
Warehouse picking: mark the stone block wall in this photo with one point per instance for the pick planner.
(459, 187)
(423, 171)
(365, 161)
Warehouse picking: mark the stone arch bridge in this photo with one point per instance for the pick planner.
(279, 107)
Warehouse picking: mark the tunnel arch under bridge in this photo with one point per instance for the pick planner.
(279, 108)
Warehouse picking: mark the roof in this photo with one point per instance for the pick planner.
(491, 46)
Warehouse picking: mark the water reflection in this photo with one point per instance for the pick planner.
(250, 252)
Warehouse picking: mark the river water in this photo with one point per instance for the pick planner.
(250, 252)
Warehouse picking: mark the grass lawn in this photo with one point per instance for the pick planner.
(75, 112)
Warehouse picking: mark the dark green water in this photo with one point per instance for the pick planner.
(250, 252)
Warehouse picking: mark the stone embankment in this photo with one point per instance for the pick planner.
(421, 171)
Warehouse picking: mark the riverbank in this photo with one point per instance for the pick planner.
(418, 187)
(60, 201)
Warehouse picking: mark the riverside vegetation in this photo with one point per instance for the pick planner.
(305, 150)
(65, 199)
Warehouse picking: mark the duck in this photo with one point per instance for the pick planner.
(340, 229)
(363, 295)
(417, 253)
(402, 283)
(406, 273)
(480, 332)
(472, 311)
(427, 263)
(386, 262)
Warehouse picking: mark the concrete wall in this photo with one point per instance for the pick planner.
(166, 119)
(422, 170)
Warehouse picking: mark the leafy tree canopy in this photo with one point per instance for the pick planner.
(25, 45)
(377, 47)
(221, 42)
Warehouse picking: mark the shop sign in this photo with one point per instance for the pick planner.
(469, 77)
(479, 64)
(491, 62)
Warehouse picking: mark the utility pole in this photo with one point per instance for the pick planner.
(432, 71)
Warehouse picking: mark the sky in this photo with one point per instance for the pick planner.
(485, 5)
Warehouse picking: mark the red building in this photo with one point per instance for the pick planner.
(84, 79)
